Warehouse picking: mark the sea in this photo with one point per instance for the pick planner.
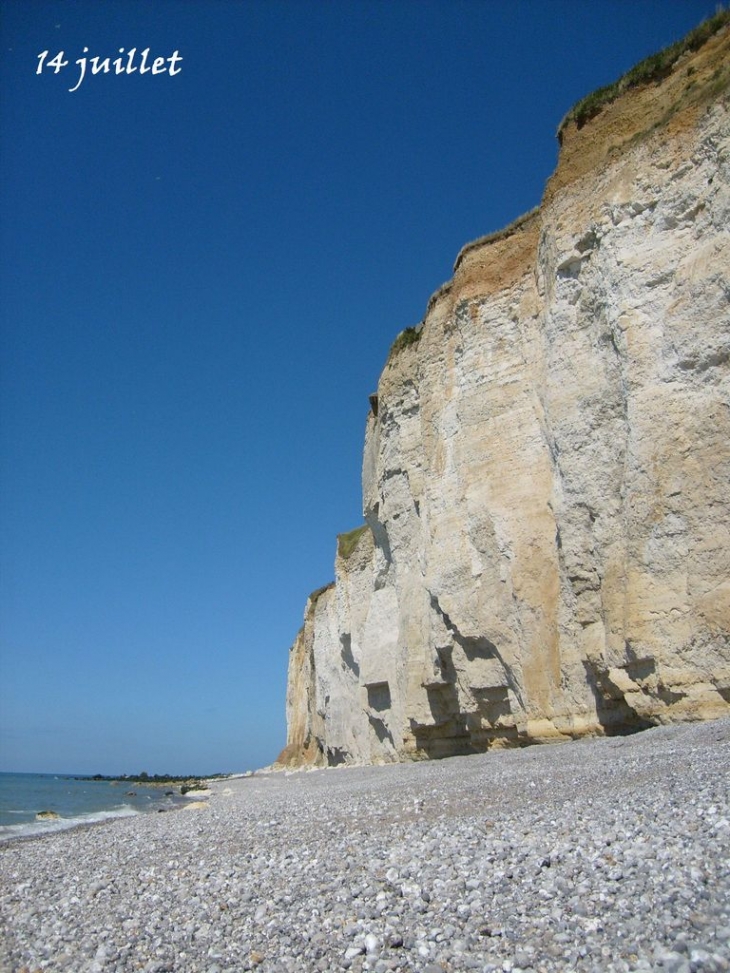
(73, 801)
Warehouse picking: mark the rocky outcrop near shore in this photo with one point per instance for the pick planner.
(546, 552)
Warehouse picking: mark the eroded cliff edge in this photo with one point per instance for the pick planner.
(546, 475)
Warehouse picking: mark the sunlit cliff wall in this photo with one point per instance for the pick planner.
(546, 474)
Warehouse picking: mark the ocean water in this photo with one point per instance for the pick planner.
(23, 796)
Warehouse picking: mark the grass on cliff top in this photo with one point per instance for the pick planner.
(654, 68)
(316, 595)
(500, 234)
(346, 543)
(406, 338)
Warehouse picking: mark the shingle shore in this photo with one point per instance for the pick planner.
(602, 855)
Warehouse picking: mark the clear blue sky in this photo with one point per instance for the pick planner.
(201, 276)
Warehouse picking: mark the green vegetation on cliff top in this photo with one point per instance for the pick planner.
(318, 592)
(346, 543)
(654, 68)
(406, 338)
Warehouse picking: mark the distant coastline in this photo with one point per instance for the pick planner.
(36, 804)
(187, 782)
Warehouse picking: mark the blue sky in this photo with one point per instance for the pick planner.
(200, 277)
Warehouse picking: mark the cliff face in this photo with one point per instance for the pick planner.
(546, 473)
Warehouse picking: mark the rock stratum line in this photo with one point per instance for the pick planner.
(546, 473)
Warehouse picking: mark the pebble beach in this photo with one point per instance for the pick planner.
(600, 855)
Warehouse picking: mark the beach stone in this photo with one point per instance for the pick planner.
(156, 892)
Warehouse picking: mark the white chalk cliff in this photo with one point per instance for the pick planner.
(546, 472)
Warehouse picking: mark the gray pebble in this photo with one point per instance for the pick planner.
(617, 861)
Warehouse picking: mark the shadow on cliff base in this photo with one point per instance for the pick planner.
(454, 733)
(448, 735)
(614, 714)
